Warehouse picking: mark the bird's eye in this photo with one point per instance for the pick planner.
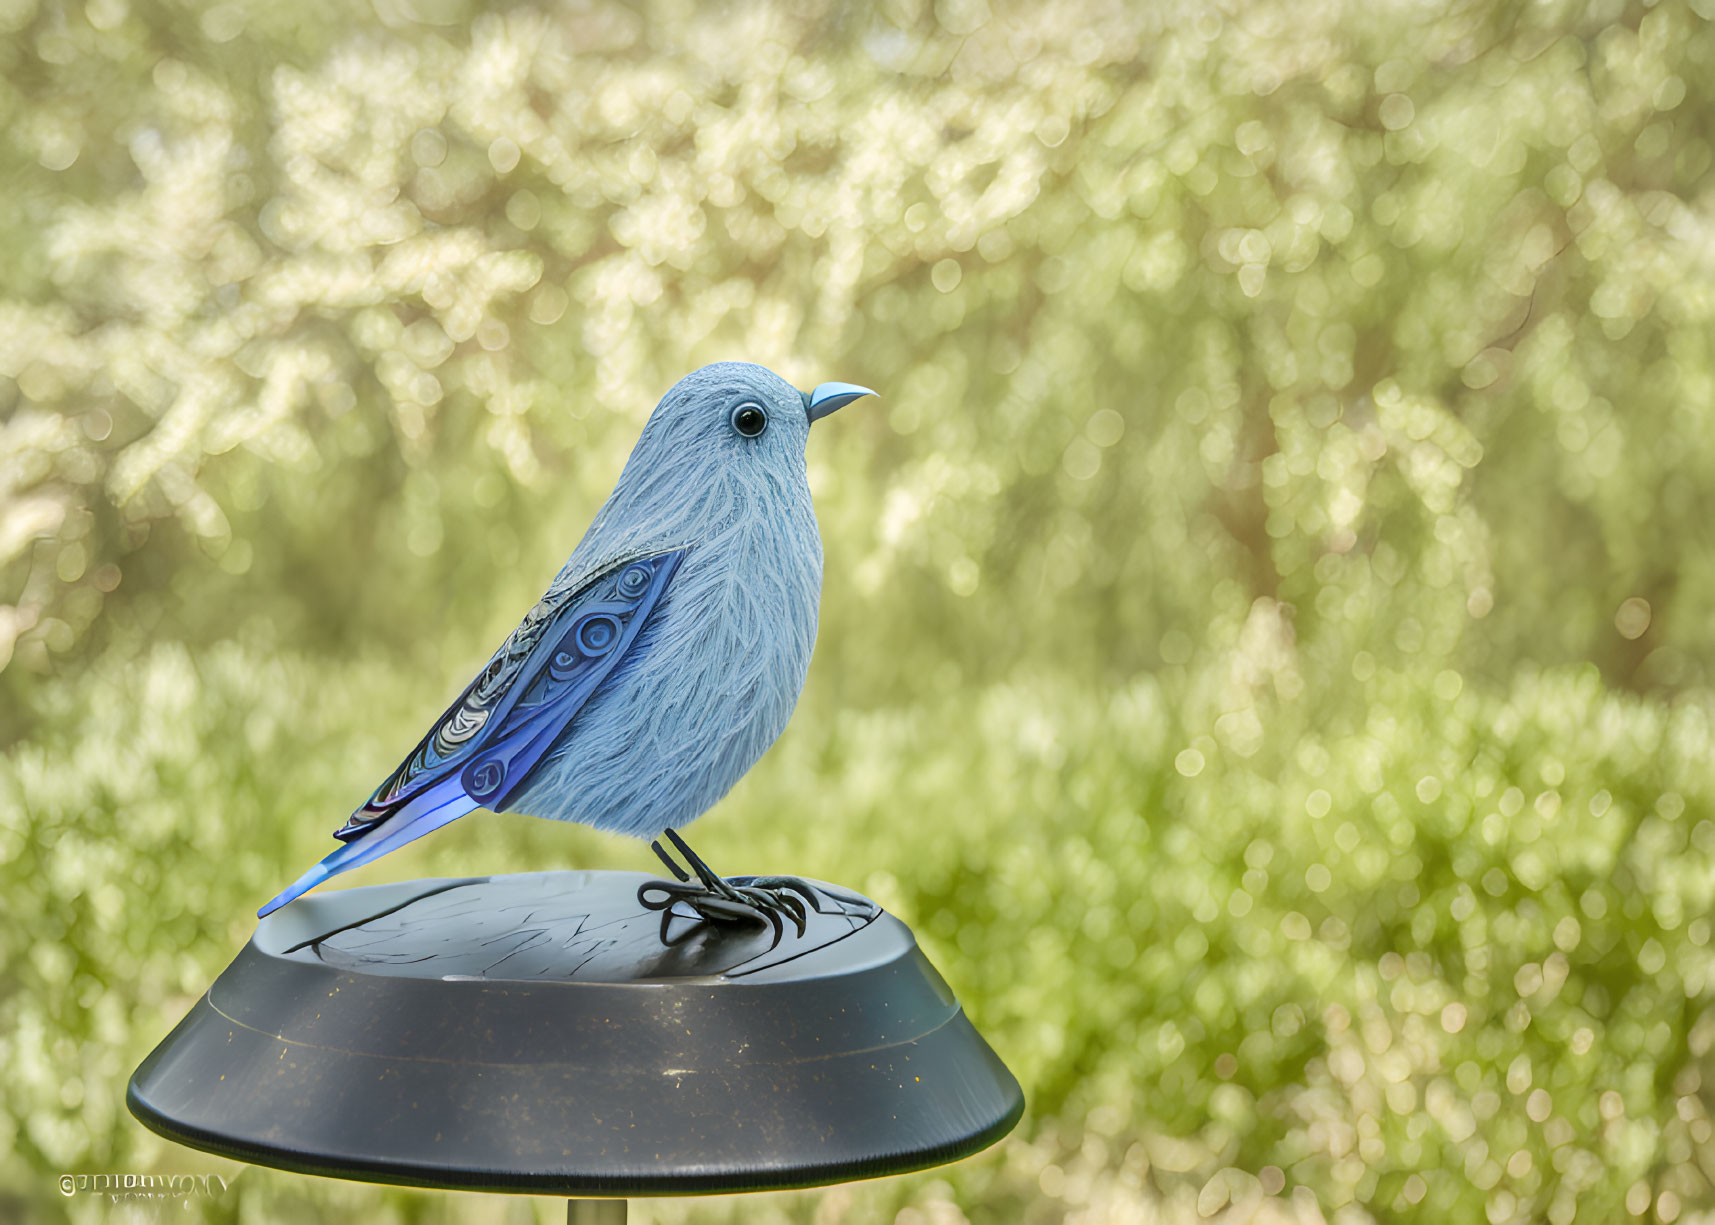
(749, 419)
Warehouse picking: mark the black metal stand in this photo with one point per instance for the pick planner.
(533, 1033)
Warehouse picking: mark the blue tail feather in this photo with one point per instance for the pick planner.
(427, 812)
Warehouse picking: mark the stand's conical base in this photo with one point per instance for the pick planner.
(532, 1033)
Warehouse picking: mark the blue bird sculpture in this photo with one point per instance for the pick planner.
(663, 660)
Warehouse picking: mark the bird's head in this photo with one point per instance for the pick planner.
(733, 423)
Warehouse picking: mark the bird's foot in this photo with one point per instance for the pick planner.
(738, 901)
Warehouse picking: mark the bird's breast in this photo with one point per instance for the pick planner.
(750, 601)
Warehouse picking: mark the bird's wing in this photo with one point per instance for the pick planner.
(516, 708)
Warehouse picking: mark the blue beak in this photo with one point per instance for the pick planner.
(829, 396)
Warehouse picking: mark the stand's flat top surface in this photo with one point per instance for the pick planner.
(557, 927)
(534, 1033)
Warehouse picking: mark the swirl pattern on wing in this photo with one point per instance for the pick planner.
(557, 648)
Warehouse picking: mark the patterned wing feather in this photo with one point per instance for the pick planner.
(511, 714)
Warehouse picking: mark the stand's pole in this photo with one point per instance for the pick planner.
(595, 1212)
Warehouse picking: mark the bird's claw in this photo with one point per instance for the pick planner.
(715, 899)
(742, 907)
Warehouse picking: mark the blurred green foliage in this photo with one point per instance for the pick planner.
(1280, 566)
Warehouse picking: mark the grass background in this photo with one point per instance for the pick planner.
(1266, 650)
